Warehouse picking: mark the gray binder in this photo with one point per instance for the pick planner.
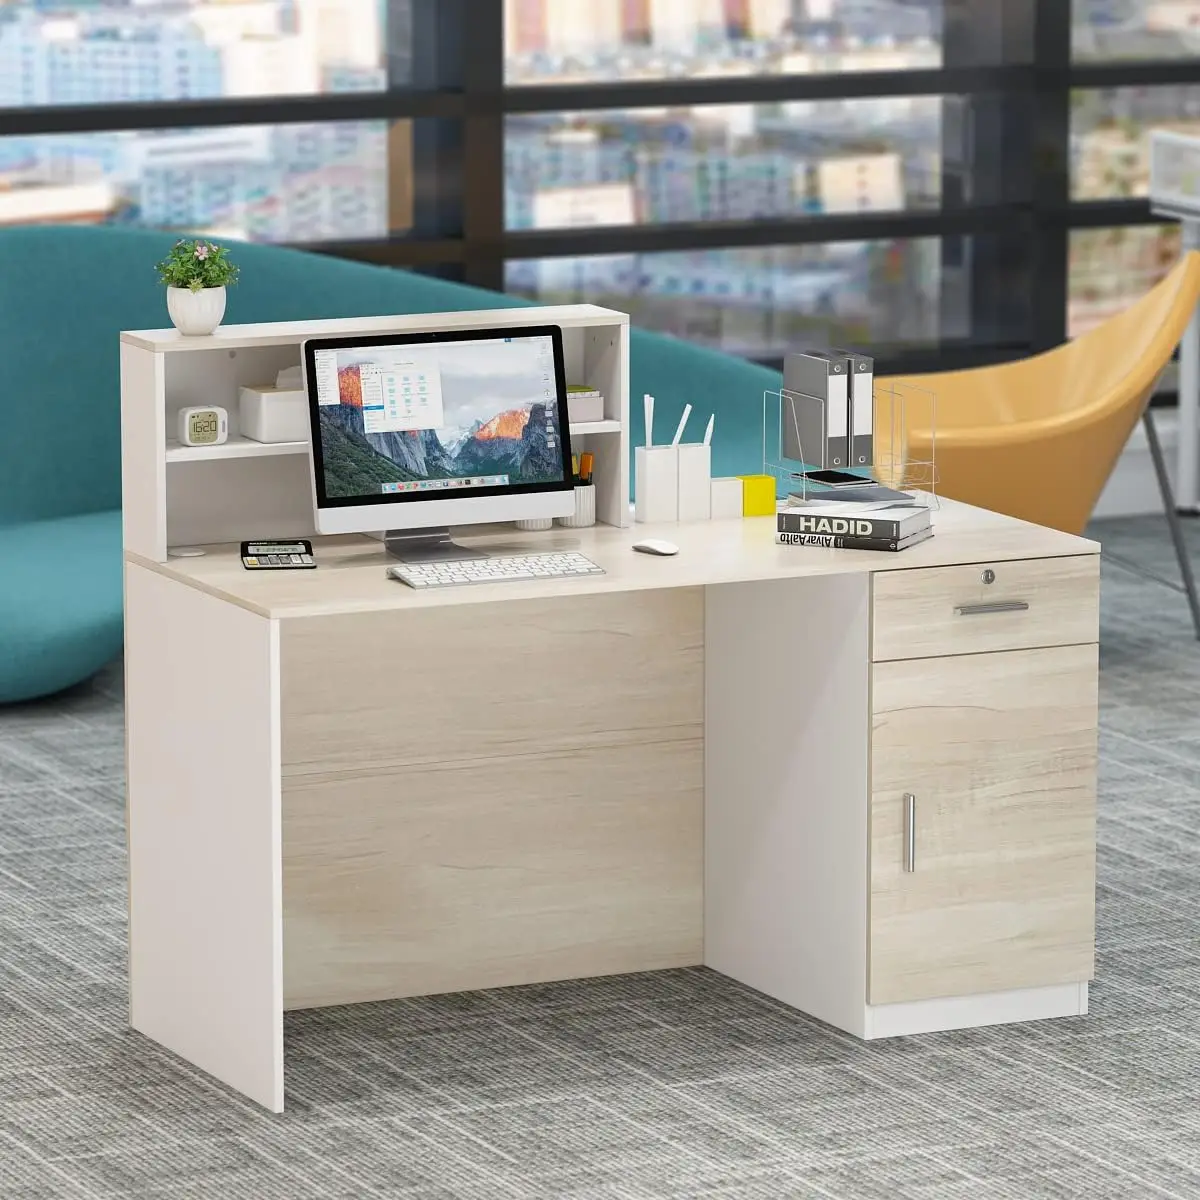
(824, 375)
(862, 407)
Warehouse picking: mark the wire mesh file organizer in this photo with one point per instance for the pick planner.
(903, 453)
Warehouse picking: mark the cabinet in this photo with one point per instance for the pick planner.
(970, 687)
(982, 822)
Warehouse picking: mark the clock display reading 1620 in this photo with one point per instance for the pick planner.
(204, 429)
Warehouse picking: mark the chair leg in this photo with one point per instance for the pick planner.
(1172, 515)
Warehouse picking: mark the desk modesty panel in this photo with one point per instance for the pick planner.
(342, 790)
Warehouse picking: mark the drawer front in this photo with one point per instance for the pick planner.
(985, 607)
(983, 823)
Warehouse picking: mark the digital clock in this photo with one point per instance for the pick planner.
(203, 426)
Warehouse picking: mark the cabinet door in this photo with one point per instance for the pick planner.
(983, 788)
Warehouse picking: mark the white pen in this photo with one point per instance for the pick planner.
(648, 404)
(708, 432)
(687, 412)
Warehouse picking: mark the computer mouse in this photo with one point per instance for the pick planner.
(656, 546)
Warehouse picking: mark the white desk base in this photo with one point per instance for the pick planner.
(404, 795)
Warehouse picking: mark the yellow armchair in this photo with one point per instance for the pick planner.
(1038, 439)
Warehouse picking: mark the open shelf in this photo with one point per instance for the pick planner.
(236, 447)
(579, 428)
(241, 447)
(245, 485)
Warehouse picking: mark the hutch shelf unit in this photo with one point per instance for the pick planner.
(199, 495)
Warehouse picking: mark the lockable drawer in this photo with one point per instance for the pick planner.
(985, 607)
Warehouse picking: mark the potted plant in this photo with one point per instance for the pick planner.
(196, 273)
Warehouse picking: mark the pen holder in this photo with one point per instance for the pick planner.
(695, 481)
(585, 508)
(656, 483)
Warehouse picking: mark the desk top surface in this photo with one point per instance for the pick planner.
(351, 577)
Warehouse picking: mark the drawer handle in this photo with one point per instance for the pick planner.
(910, 832)
(996, 606)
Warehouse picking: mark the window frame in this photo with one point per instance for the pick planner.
(459, 95)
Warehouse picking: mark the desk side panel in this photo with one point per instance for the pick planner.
(205, 941)
(786, 756)
(483, 796)
(143, 453)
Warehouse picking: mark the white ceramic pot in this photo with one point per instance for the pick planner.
(196, 313)
(585, 509)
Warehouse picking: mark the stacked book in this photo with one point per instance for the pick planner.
(851, 525)
(584, 403)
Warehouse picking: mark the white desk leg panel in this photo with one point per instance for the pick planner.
(786, 735)
(205, 867)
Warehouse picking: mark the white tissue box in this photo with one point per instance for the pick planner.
(272, 414)
(584, 409)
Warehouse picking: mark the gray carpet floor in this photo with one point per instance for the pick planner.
(655, 1087)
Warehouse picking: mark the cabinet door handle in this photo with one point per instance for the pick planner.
(996, 606)
(910, 832)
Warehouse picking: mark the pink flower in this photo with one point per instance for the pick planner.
(201, 251)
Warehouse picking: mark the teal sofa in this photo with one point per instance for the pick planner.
(65, 294)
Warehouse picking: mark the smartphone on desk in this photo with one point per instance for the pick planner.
(838, 479)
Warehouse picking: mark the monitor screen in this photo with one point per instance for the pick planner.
(438, 416)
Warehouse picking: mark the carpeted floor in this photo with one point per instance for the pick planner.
(674, 1085)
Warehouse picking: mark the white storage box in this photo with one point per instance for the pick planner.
(583, 408)
(726, 498)
(271, 414)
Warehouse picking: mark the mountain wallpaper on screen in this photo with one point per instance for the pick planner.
(357, 463)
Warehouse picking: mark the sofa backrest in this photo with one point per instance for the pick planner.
(67, 291)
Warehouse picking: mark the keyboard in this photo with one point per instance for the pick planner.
(568, 564)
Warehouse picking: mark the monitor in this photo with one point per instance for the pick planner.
(414, 433)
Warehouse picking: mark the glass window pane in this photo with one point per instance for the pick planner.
(1110, 268)
(1132, 29)
(286, 183)
(114, 52)
(1110, 142)
(722, 162)
(560, 41)
(761, 302)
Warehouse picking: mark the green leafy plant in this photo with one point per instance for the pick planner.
(196, 265)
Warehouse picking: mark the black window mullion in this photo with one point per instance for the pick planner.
(274, 110)
(482, 33)
(981, 76)
(987, 157)
(1134, 73)
(1051, 173)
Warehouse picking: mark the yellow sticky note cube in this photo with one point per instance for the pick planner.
(758, 495)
